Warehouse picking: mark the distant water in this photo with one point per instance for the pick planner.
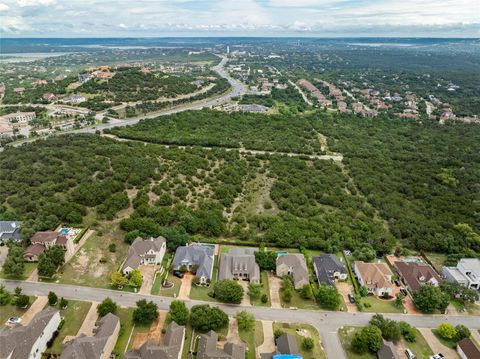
(27, 57)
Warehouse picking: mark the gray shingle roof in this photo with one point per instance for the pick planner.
(200, 256)
(239, 261)
(18, 341)
(172, 344)
(207, 348)
(287, 344)
(85, 347)
(326, 265)
(10, 230)
(387, 351)
(297, 262)
(139, 248)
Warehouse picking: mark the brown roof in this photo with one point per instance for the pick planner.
(415, 274)
(469, 348)
(374, 273)
(35, 249)
(42, 237)
(61, 240)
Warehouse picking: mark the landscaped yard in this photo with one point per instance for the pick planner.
(420, 348)
(73, 318)
(346, 334)
(298, 302)
(472, 309)
(448, 343)
(9, 310)
(380, 306)
(27, 270)
(300, 331)
(166, 292)
(265, 290)
(127, 330)
(253, 338)
(93, 264)
(200, 292)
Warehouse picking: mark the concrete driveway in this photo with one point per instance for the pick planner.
(275, 284)
(268, 345)
(232, 335)
(89, 321)
(148, 274)
(184, 292)
(35, 308)
(246, 298)
(437, 346)
(344, 288)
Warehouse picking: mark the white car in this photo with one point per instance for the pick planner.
(437, 356)
(14, 320)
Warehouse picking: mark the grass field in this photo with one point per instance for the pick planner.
(73, 318)
(27, 270)
(9, 310)
(380, 306)
(294, 329)
(346, 334)
(252, 337)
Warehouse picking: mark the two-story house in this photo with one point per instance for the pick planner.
(144, 251)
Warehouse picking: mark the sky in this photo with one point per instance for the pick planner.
(320, 18)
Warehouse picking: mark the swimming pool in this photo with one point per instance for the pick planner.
(211, 246)
(64, 231)
(412, 260)
(281, 253)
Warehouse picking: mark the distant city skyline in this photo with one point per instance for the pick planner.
(320, 18)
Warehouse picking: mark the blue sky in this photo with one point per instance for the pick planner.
(101, 18)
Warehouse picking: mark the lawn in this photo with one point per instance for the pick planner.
(346, 334)
(420, 348)
(298, 302)
(188, 338)
(201, 293)
(27, 270)
(265, 290)
(294, 329)
(9, 310)
(127, 330)
(252, 338)
(472, 309)
(437, 260)
(380, 306)
(93, 264)
(447, 342)
(73, 318)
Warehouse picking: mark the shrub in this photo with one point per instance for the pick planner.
(52, 298)
(447, 331)
(245, 320)
(264, 298)
(228, 291)
(22, 301)
(277, 333)
(308, 344)
(146, 312)
(106, 306)
(462, 332)
(112, 247)
(179, 312)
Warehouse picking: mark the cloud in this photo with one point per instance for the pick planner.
(4, 7)
(13, 24)
(25, 3)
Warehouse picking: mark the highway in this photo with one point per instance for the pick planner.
(326, 322)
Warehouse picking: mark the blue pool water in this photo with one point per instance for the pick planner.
(279, 254)
(64, 231)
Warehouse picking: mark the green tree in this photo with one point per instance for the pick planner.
(308, 344)
(146, 312)
(430, 298)
(327, 296)
(178, 312)
(204, 318)
(22, 301)
(399, 298)
(287, 294)
(373, 337)
(447, 331)
(63, 303)
(363, 291)
(52, 298)
(462, 332)
(306, 292)
(245, 320)
(390, 329)
(228, 291)
(254, 291)
(118, 279)
(408, 332)
(5, 296)
(136, 278)
(106, 306)
(266, 260)
(14, 264)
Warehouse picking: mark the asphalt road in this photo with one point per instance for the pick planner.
(326, 322)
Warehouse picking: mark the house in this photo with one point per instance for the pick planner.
(98, 346)
(466, 349)
(287, 344)
(207, 348)
(172, 347)
(387, 351)
(6, 130)
(48, 96)
(144, 251)
(19, 90)
(75, 99)
(415, 274)
(294, 265)
(376, 277)
(44, 240)
(467, 273)
(239, 263)
(328, 268)
(29, 341)
(10, 230)
(19, 117)
(195, 258)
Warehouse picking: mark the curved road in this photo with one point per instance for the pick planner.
(326, 322)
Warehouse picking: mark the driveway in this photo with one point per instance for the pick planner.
(184, 292)
(436, 346)
(344, 288)
(89, 321)
(148, 274)
(275, 284)
(3, 254)
(35, 308)
(246, 298)
(232, 336)
(409, 306)
(268, 345)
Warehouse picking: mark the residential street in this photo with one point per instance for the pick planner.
(326, 322)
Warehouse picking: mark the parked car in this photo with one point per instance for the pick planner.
(351, 298)
(437, 356)
(178, 274)
(403, 291)
(14, 320)
(410, 354)
(397, 282)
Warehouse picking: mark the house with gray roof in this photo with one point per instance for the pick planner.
(172, 346)
(287, 344)
(29, 341)
(466, 273)
(387, 351)
(207, 348)
(239, 263)
(144, 251)
(10, 230)
(98, 346)
(293, 265)
(195, 257)
(328, 268)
